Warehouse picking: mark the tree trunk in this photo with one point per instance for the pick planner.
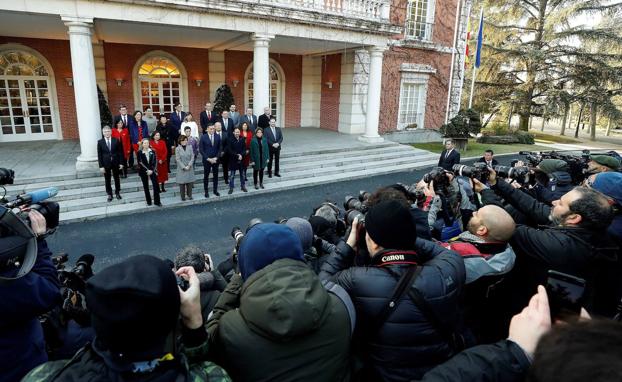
(570, 118)
(594, 112)
(566, 107)
(576, 132)
(608, 127)
(543, 122)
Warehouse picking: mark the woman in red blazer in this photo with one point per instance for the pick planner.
(247, 135)
(123, 135)
(161, 151)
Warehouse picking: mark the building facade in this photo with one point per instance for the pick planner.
(353, 66)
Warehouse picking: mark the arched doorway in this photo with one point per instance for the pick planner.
(160, 83)
(27, 97)
(277, 90)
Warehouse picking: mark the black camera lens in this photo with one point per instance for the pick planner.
(364, 195)
(353, 214)
(182, 283)
(7, 176)
(351, 203)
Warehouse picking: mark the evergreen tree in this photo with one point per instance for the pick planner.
(224, 99)
(104, 111)
(532, 46)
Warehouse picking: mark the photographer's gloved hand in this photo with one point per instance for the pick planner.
(532, 323)
(190, 308)
(37, 222)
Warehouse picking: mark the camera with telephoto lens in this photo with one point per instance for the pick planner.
(357, 203)
(238, 235)
(520, 174)
(479, 171)
(438, 175)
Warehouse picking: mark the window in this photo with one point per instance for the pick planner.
(160, 84)
(19, 63)
(275, 84)
(413, 97)
(420, 19)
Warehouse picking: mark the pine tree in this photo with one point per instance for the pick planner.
(104, 111)
(224, 99)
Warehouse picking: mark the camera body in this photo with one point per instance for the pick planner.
(438, 175)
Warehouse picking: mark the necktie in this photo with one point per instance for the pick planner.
(211, 138)
(124, 120)
(108, 143)
(179, 115)
(447, 155)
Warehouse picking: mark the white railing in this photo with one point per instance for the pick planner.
(373, 10)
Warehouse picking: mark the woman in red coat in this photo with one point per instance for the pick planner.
(123, 135)
(161, 151)
(247, 135)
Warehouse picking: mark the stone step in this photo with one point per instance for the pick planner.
(309, 160)
(284, 155)
(300, 163)
(133, 183)
(171, 199)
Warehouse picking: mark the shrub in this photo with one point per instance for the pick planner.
(462, 125)
(525, 137)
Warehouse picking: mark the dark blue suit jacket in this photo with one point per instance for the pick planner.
(176, 122)
(450, 161)
(251, 124)
(208, 150)
(272, 139)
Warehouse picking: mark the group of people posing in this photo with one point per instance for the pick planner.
(229, 140)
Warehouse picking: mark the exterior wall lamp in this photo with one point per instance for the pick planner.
(119, 82)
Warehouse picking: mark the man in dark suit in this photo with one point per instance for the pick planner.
(488, 159)
(275, 138)
(227, 123)
(263, 120)
(208, 116)
(177, 118)
(209, 146)
(249, 118)
(110, 158)
(123, 116)
(449, 157)
(223, 157)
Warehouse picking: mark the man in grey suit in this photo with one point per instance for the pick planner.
(275, 138)
(234, 115)
(250, 119)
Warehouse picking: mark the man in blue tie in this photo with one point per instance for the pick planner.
(210, 148)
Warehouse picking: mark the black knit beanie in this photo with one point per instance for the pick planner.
(391, 226)
(134, 305)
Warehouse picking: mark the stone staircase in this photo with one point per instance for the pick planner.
(84, 198)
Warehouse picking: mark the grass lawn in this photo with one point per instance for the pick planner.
(477, 149)
(553, 138)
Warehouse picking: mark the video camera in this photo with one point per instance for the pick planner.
(18, 244)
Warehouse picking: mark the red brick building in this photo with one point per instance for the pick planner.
(312, 62)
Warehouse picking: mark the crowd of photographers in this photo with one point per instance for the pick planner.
(478, 273)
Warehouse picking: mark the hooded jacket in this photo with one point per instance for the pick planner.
(286, 327)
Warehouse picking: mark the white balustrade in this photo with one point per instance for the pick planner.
(375, 10)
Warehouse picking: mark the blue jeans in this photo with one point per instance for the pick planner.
(232, 177)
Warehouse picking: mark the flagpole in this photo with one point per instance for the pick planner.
(480, 37)
(472, 86)
(453, 59)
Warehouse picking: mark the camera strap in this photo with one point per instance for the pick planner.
(404, 283)
(454, 339)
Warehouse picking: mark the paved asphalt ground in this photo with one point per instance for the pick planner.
(163, 232)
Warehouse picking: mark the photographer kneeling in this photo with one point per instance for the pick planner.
(26, 293)
(406, 302)
(574, 240)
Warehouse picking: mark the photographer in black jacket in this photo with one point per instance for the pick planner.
(399, 340)
(572, 237)
(22, 299)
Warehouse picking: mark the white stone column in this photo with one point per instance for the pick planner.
(261, 71)
(85, 90)
(373, 95)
